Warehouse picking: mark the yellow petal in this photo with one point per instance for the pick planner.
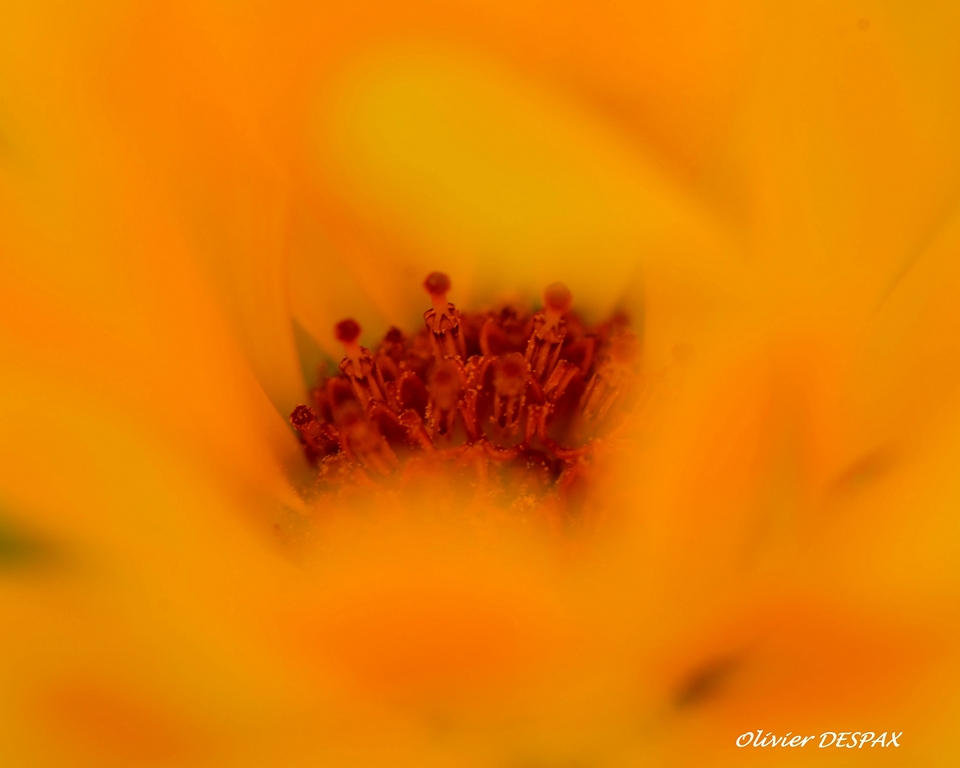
(507, 181)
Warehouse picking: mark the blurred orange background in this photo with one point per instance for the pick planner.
(192, 193)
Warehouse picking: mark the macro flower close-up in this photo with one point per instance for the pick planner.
(479, 384)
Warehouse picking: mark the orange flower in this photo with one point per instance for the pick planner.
(193, 195)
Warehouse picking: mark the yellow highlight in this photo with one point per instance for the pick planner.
(493, 169)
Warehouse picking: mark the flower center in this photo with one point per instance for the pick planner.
(511, 402)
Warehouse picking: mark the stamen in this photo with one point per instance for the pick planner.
(609, 384)
(443, 319)
(302, 416)
(347, 332)
(446, 388)
(549, 330)
(557, 300)
(358, 364)
(504, 331)
(415, 431)
(510, 378)
(555, 386)
(510, 386)
(437, 284)
(523, 410)
(362, 441)
(317, 444)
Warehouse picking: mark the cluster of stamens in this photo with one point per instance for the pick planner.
(499, 395)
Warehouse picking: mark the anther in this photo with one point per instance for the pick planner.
(610, 381)
(443, 319)
(302, 416)
(445, 387)
(510, 378)
(528, 406)
(361, 441)
(549, 330)
(305, 420)
(510, 375)
(558, 381)
(474, 373)
(357, 365)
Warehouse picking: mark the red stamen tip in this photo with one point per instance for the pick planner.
(529, 391)
(558, 298)
(347, 331)
(437, 284)
(302, 416)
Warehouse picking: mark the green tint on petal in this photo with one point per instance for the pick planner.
(19, 548)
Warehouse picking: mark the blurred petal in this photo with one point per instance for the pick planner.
(502, 178)
(421, 155)
(853, 156)
(909, 366)
(770, 534)
(197, 143)
(99, 287)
